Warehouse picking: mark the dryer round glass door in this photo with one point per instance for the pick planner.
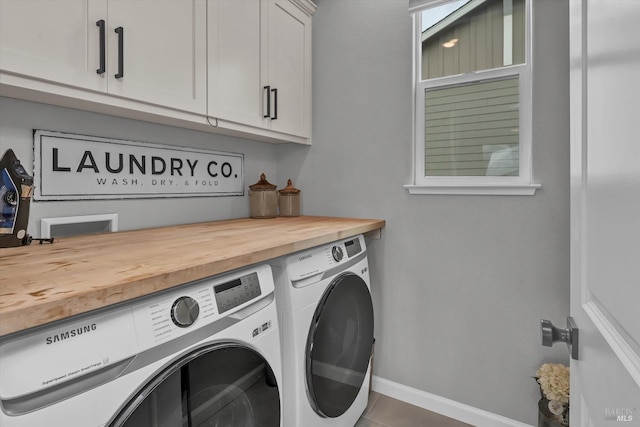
(339, 345)
(220, 385)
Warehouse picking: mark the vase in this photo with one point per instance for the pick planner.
(545, 417)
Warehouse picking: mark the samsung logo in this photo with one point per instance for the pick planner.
(303, 257)
(70, 333)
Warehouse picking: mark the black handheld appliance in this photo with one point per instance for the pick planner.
(16, 187)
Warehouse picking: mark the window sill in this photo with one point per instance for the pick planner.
(478, 190)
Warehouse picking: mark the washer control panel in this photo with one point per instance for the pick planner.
(235, 292)
(191, 306)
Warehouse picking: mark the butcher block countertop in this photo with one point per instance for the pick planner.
(43, 283)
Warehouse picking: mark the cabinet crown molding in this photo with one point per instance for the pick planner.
(306, 6)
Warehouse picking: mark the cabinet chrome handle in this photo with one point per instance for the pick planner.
(120, 32)
(275, 104)
(102, 68)
(268, 113)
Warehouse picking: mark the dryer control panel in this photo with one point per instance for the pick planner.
(352, 248)
(317, 260)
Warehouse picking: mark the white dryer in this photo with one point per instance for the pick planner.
(326, 322)
(203, 354)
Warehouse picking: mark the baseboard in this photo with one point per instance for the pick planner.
(447, 407)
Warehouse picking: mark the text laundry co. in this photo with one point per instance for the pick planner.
(73, 167)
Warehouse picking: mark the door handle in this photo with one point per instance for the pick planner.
(269, 91)
(275, 104)
(268, 113)
(120, 32)
(101, 27)
(552, 335)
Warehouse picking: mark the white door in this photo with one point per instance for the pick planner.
(605, 211)
(55, 41)
(163, 53)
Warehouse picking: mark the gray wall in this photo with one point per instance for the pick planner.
(19, 118)
(459, 282)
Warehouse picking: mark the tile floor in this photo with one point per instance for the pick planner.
(384, 411)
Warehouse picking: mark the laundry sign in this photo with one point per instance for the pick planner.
(78, 167)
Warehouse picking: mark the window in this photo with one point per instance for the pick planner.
(472, 97)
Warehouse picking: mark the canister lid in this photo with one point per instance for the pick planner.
(263, 184)
(289, 189)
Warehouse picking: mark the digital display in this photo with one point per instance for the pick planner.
(236, 292)
(353, 247)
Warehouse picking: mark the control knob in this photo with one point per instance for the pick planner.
(337, 253)
(184, 311)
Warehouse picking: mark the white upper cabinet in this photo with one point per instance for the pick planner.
(159, 48)
(234, 61)
(238, 67)
(259, 66)
(289, 69)
(55, 41)
(163, 52)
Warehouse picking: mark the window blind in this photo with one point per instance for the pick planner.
(473, 129)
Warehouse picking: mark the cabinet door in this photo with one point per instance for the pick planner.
(234, 91)
(56, 40)
(289, 67)
(163, 56)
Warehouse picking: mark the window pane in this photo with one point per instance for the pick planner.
(478, 35)
(473, 129)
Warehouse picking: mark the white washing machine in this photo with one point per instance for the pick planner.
(203, 354)
(326, 327)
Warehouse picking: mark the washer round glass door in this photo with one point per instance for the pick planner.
(339, 345)
(219, 385)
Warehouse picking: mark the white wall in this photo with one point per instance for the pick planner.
(459, 282)
(18, 119)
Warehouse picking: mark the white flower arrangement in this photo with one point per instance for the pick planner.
(553, 379)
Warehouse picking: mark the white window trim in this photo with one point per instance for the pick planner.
(477, 185)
